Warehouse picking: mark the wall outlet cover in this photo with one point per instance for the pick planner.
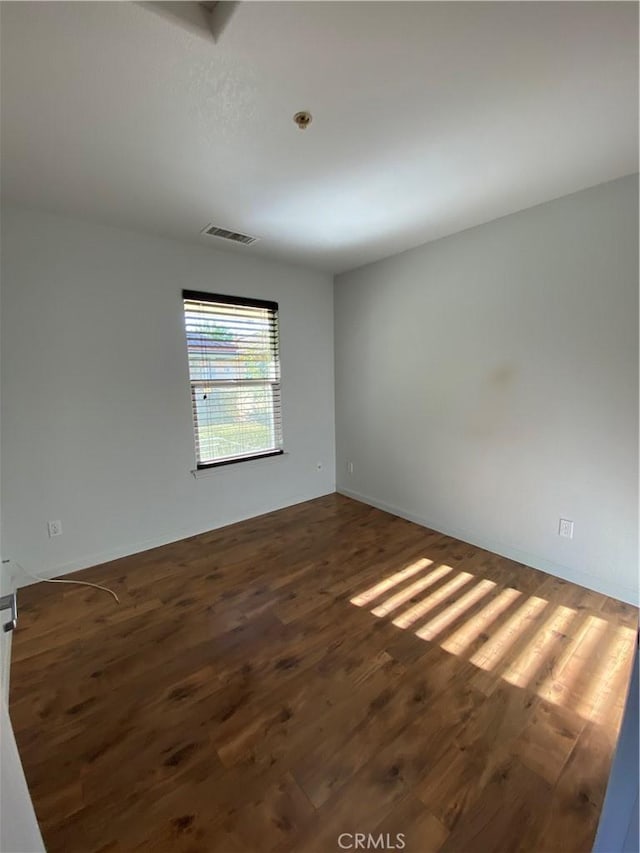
(565, 528)
(54, 528)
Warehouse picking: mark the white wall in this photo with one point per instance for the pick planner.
(96, 414)
(6, 588)
(19, 830)
(487, 384)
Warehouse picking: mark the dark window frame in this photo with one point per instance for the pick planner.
(241, 301)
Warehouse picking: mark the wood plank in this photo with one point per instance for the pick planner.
(320, 669)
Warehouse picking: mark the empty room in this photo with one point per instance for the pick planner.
(319, 427)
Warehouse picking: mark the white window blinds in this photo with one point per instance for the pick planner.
(234, 368)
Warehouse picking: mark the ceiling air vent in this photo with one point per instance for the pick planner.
(225, 234)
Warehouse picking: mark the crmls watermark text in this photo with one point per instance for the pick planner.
(367, 841)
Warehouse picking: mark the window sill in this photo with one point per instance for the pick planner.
(200, 473)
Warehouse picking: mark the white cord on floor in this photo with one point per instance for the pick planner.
(59, 580)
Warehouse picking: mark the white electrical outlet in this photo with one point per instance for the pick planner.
(54, 528)
(566, 528)
(349, 467)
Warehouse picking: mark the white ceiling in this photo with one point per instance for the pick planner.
(427, 117)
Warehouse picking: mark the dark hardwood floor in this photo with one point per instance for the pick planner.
(320, 670)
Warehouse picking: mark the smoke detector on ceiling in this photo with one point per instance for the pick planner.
(225, 234)
(303, 119)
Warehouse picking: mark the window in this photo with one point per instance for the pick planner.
(234, 367)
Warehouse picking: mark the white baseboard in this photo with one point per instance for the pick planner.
(19, 579)
(606, 587)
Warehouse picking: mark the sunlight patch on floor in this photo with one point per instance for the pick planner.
(378, 589)
(438, 624)
(569, 678)
(567, 656)
(411, 591)
(605, 688)
(499, 643)
(522, 670)
(419, 609)
(461, 639)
